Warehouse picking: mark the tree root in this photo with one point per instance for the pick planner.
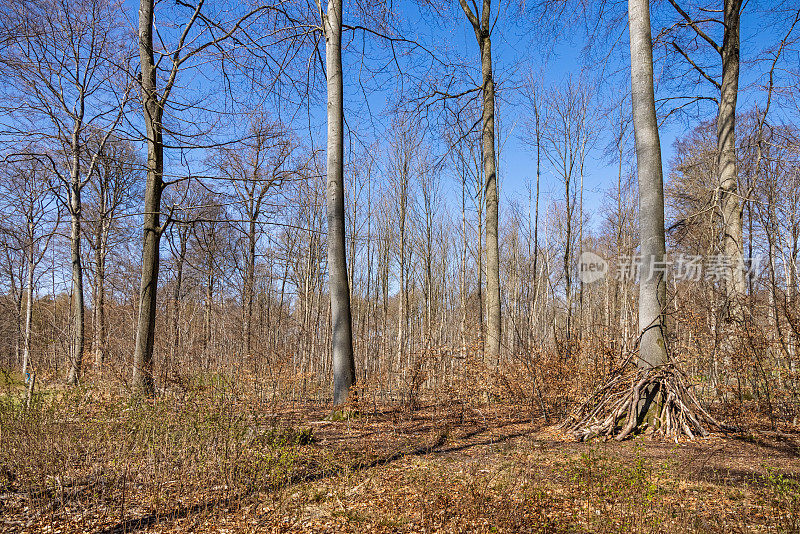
(651, 401)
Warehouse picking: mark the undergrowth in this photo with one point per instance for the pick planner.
(73, 455)
(87, 459)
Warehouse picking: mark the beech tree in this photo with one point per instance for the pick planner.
(482, 25)
(110, 193)
(68, 92)
(409, 289)
(652, 245)
(31, 208)
(567, 134)
(199, 32)
(344, 375)
(659, 399)
(726, 87)
(254, 168)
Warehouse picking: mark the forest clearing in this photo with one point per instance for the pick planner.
(218, 460)
(399, 266)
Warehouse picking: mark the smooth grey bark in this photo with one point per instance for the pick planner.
(729, 197)
(153, 112)
(77, 302)
(493, 318)
(483, 28)
(26, 351)
(183, 238)
(250, 281)
(101, 252)
(344, 375)
(652, 286)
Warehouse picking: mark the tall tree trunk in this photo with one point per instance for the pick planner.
(250, 288)
(791, 300)
(582, 157)
(493, 319)
(401, 295)
(26, 351)
(153, 111)
(482, 25)
(429, 289)
(567, 263)
(76, 350)
(341, 321)
(479, 291)
(730, 203)
(183, 237)
(368, 310)
(464, 250)
(652, 286)
(384, 281)
(101, 251)
(536, 207)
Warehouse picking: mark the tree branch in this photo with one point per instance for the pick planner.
(695, 66)
(696, 28)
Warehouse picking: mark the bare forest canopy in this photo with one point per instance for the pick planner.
(411, 201)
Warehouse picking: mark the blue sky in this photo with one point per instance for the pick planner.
(521, 45)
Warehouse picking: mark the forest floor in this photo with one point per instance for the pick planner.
(87, 461)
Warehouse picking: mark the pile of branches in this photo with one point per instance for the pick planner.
(652, 400)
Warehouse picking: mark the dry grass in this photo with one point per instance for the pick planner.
(214, 459)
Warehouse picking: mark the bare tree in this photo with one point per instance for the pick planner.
(344, 375)
(31, 207)
(659, 398)
(68, 87)
(652, 284)
(184, 198)
(466, 154)
(404, 166)
(701, 30)
(111, 191)
(567, 135)
(254, 168)
(199, 32)
(482, 25)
